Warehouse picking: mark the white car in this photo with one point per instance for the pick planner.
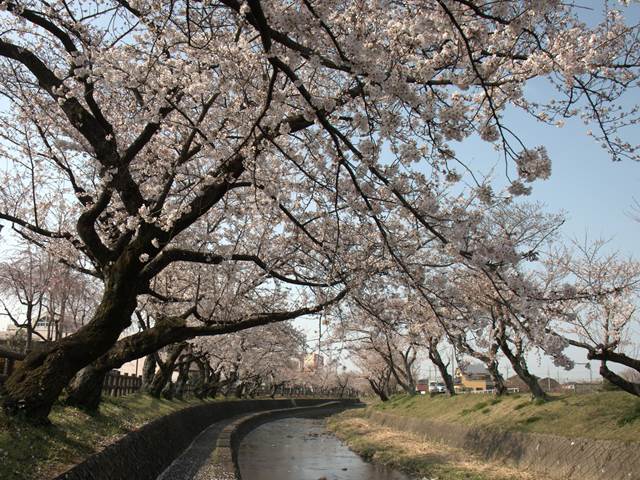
(437, 387)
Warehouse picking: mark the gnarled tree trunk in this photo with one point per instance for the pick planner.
(378, 389)
(36, 384)
(498, 381)
(519, 365)
(168, 391)
(183, 377)
(163, 375)
(129, 348)
(148, 370)
(85, 390)
(434, 356)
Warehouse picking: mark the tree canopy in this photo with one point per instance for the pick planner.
(310, 143)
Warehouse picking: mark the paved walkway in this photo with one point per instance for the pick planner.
(193, 462)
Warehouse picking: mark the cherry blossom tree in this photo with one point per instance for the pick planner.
(128, 124)
(378, 325)
(598, 312)
(249, 359)
(495, 302)
(375, 370)
(25, 284)
(43, 298)
(235, 299)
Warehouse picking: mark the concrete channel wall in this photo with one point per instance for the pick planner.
(144, 453)
(550, 456)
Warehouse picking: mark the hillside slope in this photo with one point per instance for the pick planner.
(602, 415)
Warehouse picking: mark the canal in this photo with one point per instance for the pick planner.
(302, 449)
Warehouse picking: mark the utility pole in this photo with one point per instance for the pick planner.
(453, 362)
(319, 334)
(548, 379)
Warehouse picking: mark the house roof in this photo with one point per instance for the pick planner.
(547, 383)
(474, 369)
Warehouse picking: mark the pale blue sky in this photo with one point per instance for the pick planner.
(595, 193)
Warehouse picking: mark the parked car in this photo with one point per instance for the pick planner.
(437, 387)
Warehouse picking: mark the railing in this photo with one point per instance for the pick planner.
(117, 384)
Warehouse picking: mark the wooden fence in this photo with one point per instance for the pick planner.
(117, 384)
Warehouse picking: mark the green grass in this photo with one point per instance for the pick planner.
(29, 453)
(607, 415)
(631, 416)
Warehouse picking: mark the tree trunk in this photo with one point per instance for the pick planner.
(163, 375)
(200, 386)
(434, 356)
(408, 359)
(183, 377)
(406, 385)
(148, 370)
(125, 350)
(168, 391)
(85, 391)
(520, 367)
(342, 389)
(380, 391)
(617, 380)
(213, 384)
(239, 390)
(27, 348)
(36, 384)
(275, 389)
(498, 381)
(252, 391)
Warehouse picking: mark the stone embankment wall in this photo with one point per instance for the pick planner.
(550, 456)
(143, 454)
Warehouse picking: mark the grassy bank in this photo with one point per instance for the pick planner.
(28, 452)
(413, 455)
(603, 415)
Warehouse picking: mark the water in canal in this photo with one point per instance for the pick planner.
(302, 449)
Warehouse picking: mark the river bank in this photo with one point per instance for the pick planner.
(413, 454)
(28, 452)
(480, 437)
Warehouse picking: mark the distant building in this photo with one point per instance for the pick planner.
(422, 386)
(134, 367)
(14, 339)
(581, 387)
(43, 328)
(547, 384)
(472, 377)
(313, 361)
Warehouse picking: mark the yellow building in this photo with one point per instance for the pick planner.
(473, 377)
